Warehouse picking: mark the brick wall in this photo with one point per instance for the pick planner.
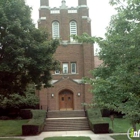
(97, 61)
(82, 54)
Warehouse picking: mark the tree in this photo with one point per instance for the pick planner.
(26, 53)
(117, 81)
(118, 87)
(16, 101)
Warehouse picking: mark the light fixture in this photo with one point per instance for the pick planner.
(78, 93)
(52, 95)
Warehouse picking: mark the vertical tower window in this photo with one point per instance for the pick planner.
(55, 30)
(65, 68)
(73, 68)
(73, 30)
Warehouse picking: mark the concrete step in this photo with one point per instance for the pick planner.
(65, 129)
(63, 114)
(68, 124)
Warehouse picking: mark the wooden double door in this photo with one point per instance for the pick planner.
(66, 100)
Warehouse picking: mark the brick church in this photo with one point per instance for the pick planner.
(68, 92)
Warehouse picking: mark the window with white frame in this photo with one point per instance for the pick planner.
(57, 72)
(65, 68)
(72, 11)
(73, 68)
(55, 30)
(73, 30)
(55, 11)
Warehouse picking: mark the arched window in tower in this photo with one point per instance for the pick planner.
(55, 30)
(73, 30)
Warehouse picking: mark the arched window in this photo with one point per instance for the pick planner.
(55, 29)
(73, 30)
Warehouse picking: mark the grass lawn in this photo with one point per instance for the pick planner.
(123, 137)
(68, 138)
(120, 125)
(11, 127)
(10, 139)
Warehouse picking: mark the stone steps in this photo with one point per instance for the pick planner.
(64, 114)
(66, 121)
(71, 124)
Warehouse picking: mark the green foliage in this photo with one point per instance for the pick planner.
(26, 54)
(36, 124)
(120, 125)
(17, 101)
(84, 38)
(38, 118)
(25, 113)
(122, 137)
(94, 114)
(96, 122)
(117, 81)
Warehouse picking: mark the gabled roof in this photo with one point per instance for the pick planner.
(77, 81)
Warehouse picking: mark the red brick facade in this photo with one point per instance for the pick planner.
(97, 62)
(81, 54)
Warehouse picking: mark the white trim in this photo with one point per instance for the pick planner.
(73, 30)
(72, 11)
(57, 72)
(43, 18)
(66, 42)
(78, 80)
(44, 7)
(55, 11)
(65, 68)
(85, 17)
(75, 43)
(66, 74)
(83, 6)
(55, 29)
(53, 81)
(74, 67)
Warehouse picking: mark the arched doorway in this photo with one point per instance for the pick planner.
(66, 100)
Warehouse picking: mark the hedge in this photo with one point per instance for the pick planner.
(96, 122)
(36, 124)
(25, 113)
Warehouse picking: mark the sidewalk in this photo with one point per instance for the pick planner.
(69, 133)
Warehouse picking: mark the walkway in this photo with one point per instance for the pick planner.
(70, 133)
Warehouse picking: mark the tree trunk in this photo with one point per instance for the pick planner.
(134, 126)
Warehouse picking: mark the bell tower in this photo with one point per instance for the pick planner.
(63, 5)
(44, 2)
(76, 59)
(82, 2)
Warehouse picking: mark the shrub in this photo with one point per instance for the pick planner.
(4, 118)
(105, 112)
(100, 127)
(36, 124)
(16, 101)
(25, 113)
(96, 122)
(94, 113)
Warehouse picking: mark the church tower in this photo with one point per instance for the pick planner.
(76, 59)
(82, 2)
(44, 2)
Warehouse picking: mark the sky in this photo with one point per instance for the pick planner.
(100, 12)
